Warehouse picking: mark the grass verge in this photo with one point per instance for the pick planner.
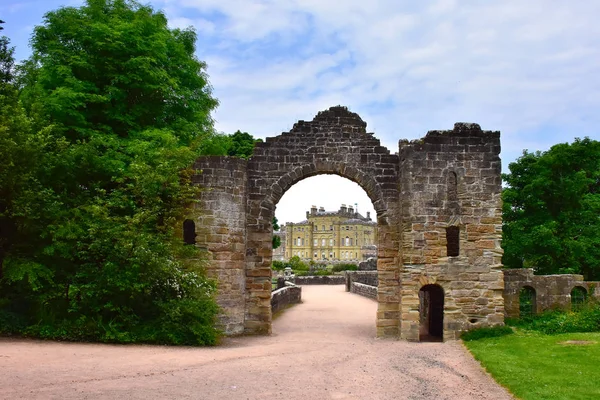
(534, 366)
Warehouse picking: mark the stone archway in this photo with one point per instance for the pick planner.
(414, 199)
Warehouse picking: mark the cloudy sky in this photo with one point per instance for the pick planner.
(530, 69)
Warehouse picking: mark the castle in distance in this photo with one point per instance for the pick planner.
(329, 236)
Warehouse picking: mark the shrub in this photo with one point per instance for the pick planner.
(344, 267)
(585, 319)
(297, 264)
(486, 332)
(278, 265)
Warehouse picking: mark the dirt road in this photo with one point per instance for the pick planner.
(323, 348)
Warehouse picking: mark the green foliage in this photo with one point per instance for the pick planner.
(344, 267)
(297, 264)
(486, 332)
(550, 210)
(276, 239)
(585, 319)
(276, 242)
(240, 144)
(536, 366)
(278, 265)
(7, 61)
(98, 194)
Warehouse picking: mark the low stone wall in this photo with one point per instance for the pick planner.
(551, 291)
(320, 280)
(369, 278)
(281, 298)
(368, 265)
(364, 290)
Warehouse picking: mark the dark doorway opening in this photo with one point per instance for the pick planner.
(431, 308)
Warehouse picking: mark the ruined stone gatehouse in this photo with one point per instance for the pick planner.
(438, 212)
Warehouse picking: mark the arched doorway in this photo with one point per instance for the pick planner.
(527, 303)
(578, 297)
(431, 310)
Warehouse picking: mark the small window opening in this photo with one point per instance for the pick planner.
(452, 241)
(452, 186)
(189, 232)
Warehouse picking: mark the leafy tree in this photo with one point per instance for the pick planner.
(240, 144)
(276, 239)
(127, 105)
(297, 264)
(551, 210)
(7, 61)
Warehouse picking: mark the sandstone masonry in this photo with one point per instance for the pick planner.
(438, 212)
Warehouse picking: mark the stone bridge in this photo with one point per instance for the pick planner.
(438, 212)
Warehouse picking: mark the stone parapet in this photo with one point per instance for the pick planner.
(320, 280)
(282, 298)
(364, 290)
(370, 278)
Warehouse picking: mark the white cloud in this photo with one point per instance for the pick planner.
(328, 191)
(527, 68)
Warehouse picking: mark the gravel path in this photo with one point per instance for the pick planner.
(323, 348)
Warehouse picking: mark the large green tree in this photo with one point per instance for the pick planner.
(127, 104)
(239, 144)
(551, 210)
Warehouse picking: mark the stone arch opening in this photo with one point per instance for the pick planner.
(527, 301)
(338, 229)
(387, 254)
(578, 297)
(431, 313)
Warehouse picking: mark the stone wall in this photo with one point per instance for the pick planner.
(551, 291)
(320, 280)
(365, 277)
(364, 290)
(334, 142)
(281, 298)
(221, 229)
(449, 181)
(452, 179)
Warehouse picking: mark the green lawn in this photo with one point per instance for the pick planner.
(535, 366)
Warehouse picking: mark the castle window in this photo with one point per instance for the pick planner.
(189, 232)
(331, 242)
(452, 241)
(323, 242)
(330, 227)
(316, 255)
(347, 241)
(323, 227)
(316, 243)
(299, 242)
(452, 186)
